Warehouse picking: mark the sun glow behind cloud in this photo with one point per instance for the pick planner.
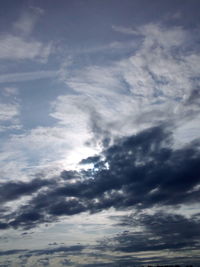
(73, 159)
(100, 134)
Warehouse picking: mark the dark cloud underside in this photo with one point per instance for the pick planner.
(139, 171)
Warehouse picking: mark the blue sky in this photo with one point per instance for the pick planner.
(99, 127)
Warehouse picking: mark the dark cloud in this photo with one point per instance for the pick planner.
(90, 160)
(13, 190)
(66, 262)
(194, 98)
(139, 171)
(12, 252)
(3, 225)
(97, 264)
(53, 244)
(43, 256)
(160, 231)
(43, 262)
(50, 251)
(68, 175)
(101, 255)
(26, 220)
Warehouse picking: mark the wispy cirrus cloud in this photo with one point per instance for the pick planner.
(125, 30)
(146, 88)
(8, 111)
(27, 20)
(20, 44)
(14, 47)
(27, 76)
(10, 91)
(9, 116)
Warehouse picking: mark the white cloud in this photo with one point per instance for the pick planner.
(44, 148)
(20, 43)
(27, 76)
(156, 34)
(15, 47)
(8, 111)
(149, 87)
(125, 30)
(9, 116)
(12, 163)
(10, 91)
(27, 20)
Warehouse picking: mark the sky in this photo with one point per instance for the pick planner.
(99, 132)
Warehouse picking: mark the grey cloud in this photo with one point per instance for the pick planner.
(160, 231)
(89, 160)
(44, 261)
(144, 171)
(24, 255)
(68, 175)
(67, 249)
(3, 225)
(11, 252)
(37, 252)
(14, 190)
(194, 98)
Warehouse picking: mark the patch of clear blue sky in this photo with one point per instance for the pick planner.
(84, 22)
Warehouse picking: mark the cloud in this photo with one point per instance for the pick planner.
(125, 30)
(14, 47)
(8, 111)
(109, 108)
(159, 231)
(10, 191)
(139, 171)
(27, 76)
(156, 33)
(49, 251)
(11, 252)
(20, 44)
(9, 115)
(142, 90)
(28, 19)
(10, 91)
(68, 249)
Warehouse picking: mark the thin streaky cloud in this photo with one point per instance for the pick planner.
(125, 30)
(27, 76)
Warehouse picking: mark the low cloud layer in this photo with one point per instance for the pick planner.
(160, 231)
